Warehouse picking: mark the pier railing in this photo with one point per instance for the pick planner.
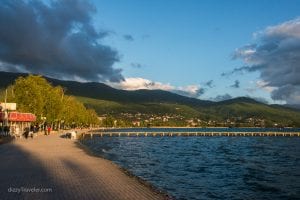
(171, 134)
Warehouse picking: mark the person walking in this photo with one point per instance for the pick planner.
(6, 130)
(48, 130)
(26, 132)
(17, 132)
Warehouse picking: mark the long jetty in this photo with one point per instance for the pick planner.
(171, 134)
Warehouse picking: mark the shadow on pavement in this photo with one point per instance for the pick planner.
(22, 174)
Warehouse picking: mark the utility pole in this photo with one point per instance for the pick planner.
(5, 97)
(5, 110)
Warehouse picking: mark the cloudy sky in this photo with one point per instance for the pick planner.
(205, 49)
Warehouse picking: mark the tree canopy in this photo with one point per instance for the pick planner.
(36, 95)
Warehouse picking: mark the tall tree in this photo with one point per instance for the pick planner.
(35, 95)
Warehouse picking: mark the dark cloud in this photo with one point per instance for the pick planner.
(236, 84)
(209, 84)
(276, 56)
(200, 91)
(128, 37)
(290, 92)
(55, 39)
(242, 70)
(136, 65)
(222, 97)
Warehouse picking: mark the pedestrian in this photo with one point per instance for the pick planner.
(49, 130)
(31, 127)
(26, 132)
(17, 132)
(6, 130)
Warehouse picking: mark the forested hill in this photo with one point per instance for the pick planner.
(110, 101)
(104, 92)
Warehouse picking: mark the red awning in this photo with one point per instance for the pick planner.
(18, 117)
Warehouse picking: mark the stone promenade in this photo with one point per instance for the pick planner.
(51, 167)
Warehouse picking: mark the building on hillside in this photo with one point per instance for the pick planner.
(136, 123)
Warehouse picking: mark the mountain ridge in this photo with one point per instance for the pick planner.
(87, 89)
(110, 101)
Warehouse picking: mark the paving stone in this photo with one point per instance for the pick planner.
(58, 164)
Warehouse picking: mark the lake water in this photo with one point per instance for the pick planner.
(202, 130)
(210, 167)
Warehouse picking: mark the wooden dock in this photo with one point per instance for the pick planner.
(173, 134)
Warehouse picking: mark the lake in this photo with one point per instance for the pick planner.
(209, 167)
(214, 129)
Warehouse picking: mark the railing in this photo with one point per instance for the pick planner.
(171, 134)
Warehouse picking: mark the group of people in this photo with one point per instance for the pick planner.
(27, 131)
(47, 130)
(34, 129)
(4, 130)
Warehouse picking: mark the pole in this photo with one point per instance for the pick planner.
(5, 97)
(5, 115)
(5, 110)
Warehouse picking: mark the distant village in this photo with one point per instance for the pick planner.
(177, 120)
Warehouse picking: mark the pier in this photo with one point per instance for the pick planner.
(203, 134)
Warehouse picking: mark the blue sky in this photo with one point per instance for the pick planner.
(206, 49)
(189, 42)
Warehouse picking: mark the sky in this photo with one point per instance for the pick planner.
(211, 49)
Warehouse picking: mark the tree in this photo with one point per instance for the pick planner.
(35, 95)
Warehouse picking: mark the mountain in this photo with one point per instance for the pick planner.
(293, 106)
(107, 100)
(104, 92)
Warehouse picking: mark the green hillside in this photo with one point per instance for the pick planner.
(111, 107)
(104, 92)
(236, 110)
(282, 115)
(158, 105)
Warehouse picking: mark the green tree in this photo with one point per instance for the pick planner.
(35, 95)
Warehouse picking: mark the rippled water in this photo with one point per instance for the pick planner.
(210, 167)
(215, 129)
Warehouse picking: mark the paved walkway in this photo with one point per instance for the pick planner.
(62, 170)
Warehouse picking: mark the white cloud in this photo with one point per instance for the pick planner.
(288, 29)
(141, 83)
(137, 83)
(190, 89)
(276, 56)
(264, 85)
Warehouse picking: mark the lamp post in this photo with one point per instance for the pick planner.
(6, 129)
(62, 124)
(5, 110)
(43, 121)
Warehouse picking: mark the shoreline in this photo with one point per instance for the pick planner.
(127, 172)
(68, 169)
(183, 127)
